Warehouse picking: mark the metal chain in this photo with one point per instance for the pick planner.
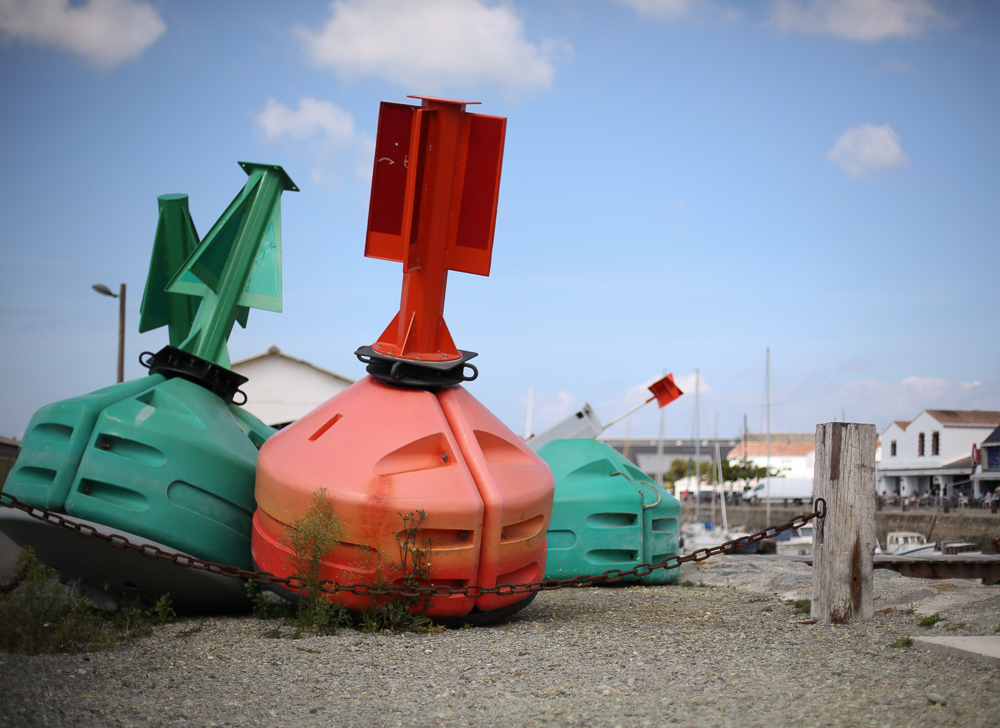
(369, 590)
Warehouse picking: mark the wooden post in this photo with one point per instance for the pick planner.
(844, 542)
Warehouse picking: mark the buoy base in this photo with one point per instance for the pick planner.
(383, 452)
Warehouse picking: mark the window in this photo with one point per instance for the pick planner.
(920, 445)
(935, 443)
(892, 449)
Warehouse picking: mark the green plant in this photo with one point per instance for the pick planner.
(928, 622)
(800, 606)
(273, 634)
(164, 609)
(188, 632)
(910, 609)
(902, 642)
(268, 607)
(310, 538)
(37, 614)
(397, 612)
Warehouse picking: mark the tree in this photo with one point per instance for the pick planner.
(683, 468)
(745, 471)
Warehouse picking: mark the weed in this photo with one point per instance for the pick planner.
(188, 632)
(164, 609)
(902, 642)
(310, 539)
(273, 634)
(800, 606)
(928, 622)
(768, 609)
(396, 612)
(266, 606)
(700, 584)
(910, 609)
(957, 626)
(296, 635)
(38, 616)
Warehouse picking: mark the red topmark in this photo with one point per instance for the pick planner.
(433, 209)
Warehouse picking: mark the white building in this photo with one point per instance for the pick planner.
(933, 453)
(282, 389)
(792, 455)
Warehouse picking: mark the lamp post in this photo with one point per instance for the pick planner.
(105, 291)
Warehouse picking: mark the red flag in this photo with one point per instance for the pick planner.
(665, 391)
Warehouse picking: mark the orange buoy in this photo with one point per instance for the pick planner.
(409, 437)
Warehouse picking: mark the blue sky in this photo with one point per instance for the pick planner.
(685, 184)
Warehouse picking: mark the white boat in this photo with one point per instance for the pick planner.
(954, 548)
(799, 544)
(700, 535)
(909, 543)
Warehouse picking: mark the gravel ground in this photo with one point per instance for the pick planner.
(728, 652)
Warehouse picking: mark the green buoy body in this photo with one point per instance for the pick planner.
(55, 440)
(171, 464)
(607, 514)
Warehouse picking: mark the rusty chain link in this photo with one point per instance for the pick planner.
(368, 590)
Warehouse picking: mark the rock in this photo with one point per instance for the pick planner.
(935, 699)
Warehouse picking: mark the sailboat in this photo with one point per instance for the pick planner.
(705, 534)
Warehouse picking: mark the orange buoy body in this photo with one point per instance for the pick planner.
(381, 451)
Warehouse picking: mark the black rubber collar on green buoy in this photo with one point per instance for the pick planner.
(173, 362)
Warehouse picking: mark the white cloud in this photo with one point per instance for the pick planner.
(867, 148)
(549, 409)
(312, 116)
(686, 383)
(645, 421)
(431, 44)
(104, 32)
(660, 9)
(864, 20)
(674, 10)
(883, 402)
(328, 134)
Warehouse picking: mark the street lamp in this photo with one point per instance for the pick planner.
(105, 291)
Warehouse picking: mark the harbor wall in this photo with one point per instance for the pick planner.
(980, 528)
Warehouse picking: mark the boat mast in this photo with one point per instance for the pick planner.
(746, 494)
(767, 389)
(527, 418)
(718, 469)
(712, 496)
(697, 446)
(659, 444)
